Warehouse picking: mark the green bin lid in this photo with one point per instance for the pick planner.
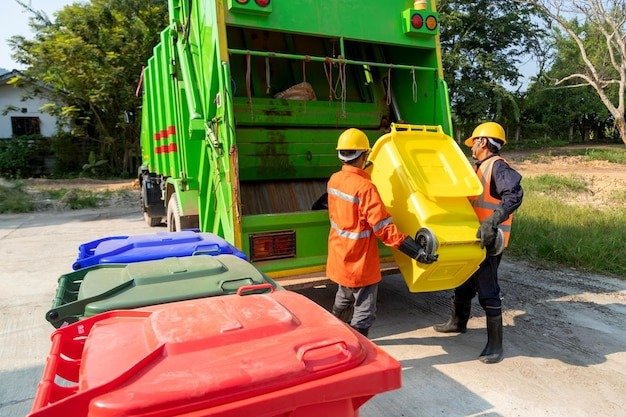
(166, 280)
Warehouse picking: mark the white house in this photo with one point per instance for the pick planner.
(24, 116)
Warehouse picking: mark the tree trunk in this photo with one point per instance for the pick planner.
(571, 134)
(620, 123)
(126, 162)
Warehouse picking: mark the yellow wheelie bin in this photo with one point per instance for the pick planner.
(424, 181)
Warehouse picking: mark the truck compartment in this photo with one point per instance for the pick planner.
(274, 197)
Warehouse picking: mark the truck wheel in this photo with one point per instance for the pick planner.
(152, 221)
(173, 215)
(176, 222)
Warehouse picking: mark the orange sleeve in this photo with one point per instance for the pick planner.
(376, 215)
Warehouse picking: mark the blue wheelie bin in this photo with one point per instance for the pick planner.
(129, 249)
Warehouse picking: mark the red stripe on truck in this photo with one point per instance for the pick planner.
(165, 133)
(166, 148)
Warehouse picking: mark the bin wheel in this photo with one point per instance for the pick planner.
(427, 240)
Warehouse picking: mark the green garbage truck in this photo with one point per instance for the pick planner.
(243, 102)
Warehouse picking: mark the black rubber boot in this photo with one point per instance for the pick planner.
(493, 352)
(457, 323)
(364, 332)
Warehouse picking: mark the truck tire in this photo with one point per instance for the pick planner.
(176, 222)
(148, 209)
(173, 215)
(152, 221)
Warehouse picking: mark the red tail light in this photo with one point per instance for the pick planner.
(276, 245)
(263, 3)
(417, 21)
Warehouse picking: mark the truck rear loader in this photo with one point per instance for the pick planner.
(243, 102)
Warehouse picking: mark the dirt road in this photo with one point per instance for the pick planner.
(565, 334)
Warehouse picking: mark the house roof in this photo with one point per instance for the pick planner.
(4, 78)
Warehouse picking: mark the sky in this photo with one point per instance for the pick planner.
(14, 21)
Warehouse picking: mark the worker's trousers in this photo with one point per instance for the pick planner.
(364, 301)
(485, 282)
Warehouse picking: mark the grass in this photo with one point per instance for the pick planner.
(555, 184)
(619, 196)
(13, 198)
(616, 156)
(547, 230)
(75, 199)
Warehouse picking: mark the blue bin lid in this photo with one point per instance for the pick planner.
(138, 248)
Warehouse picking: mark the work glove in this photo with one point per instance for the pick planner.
(410, 248)
(488, 229)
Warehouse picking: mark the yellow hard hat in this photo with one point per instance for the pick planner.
(487, 130)
(353, 140)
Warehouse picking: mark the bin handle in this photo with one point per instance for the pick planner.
(334, 347)
(405, 127)
(254, 287)
(210, 249)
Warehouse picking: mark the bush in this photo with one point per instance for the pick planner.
(70, 153)
(23, 156)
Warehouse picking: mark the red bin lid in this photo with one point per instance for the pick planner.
(212, 351)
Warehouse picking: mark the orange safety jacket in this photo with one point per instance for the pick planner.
(357, 217)
(485, 204)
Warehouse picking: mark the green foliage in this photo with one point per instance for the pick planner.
(482, 43)
(13, 198)
(23, 156)
(591, 28)
(94, 166)
(536, 143)
(546, 230)
(70, 153)
(92, 54)
(560, 109)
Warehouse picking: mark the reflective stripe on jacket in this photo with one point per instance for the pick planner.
(357, 218)
(485, 204)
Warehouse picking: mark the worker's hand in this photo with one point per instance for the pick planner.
(487, 235)
(410, 248)
(427, 258)
(489, 229)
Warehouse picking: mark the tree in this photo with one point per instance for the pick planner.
(482, 44)
(563, 112)
(92, 55)
(600, 41)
